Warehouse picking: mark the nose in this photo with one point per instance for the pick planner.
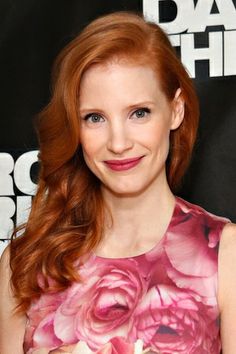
(120, 139)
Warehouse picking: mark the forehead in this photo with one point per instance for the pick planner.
(116, 67)
(119, 80)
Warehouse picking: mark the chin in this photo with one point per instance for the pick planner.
(130, 190)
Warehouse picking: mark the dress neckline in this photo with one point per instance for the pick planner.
(159, 242)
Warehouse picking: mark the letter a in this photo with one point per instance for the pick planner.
(203, 16)
(185, 12)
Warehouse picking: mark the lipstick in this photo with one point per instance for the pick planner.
(124, 164)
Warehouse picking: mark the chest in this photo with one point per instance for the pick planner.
(146, 297)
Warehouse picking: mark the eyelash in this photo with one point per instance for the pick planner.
(90, 115)
(144, 110)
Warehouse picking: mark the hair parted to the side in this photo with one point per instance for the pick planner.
(67, 215)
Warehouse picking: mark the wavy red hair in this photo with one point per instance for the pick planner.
(67, 214)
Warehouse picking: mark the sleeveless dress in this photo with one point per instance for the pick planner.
(165, 299)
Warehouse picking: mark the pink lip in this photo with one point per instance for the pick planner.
(122, 165)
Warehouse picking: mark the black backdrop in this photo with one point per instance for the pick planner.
(33, 32)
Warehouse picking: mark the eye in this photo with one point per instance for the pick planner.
(141, 112)
(94, 118)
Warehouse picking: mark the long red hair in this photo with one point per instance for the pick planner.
(67, 215)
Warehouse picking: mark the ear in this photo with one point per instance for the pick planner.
(177, 110)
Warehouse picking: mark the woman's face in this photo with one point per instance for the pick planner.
(125, 126)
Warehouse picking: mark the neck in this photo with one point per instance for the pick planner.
(152, 198)
(139, 220)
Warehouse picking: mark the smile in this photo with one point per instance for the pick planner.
(122, 165)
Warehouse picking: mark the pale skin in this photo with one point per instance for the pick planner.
(125, 114)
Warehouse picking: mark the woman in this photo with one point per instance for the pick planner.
(110, 260)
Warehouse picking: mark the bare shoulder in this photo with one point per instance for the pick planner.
(227, 253)
(12, 324)
(227, 259)
(5, 266)
(228, 237)
(227, 287)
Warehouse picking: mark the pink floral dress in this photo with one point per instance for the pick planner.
(167, 297)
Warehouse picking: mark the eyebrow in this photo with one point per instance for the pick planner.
(134, 105)
(141, 104)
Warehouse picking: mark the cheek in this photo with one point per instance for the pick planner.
(158, 136)
(88, 143)
(88, 149)
(89, 154)
(92, 143)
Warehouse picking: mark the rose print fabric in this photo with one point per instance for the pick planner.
(165, 298)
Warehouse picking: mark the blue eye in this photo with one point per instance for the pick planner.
(141, 112)
(94, 118)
